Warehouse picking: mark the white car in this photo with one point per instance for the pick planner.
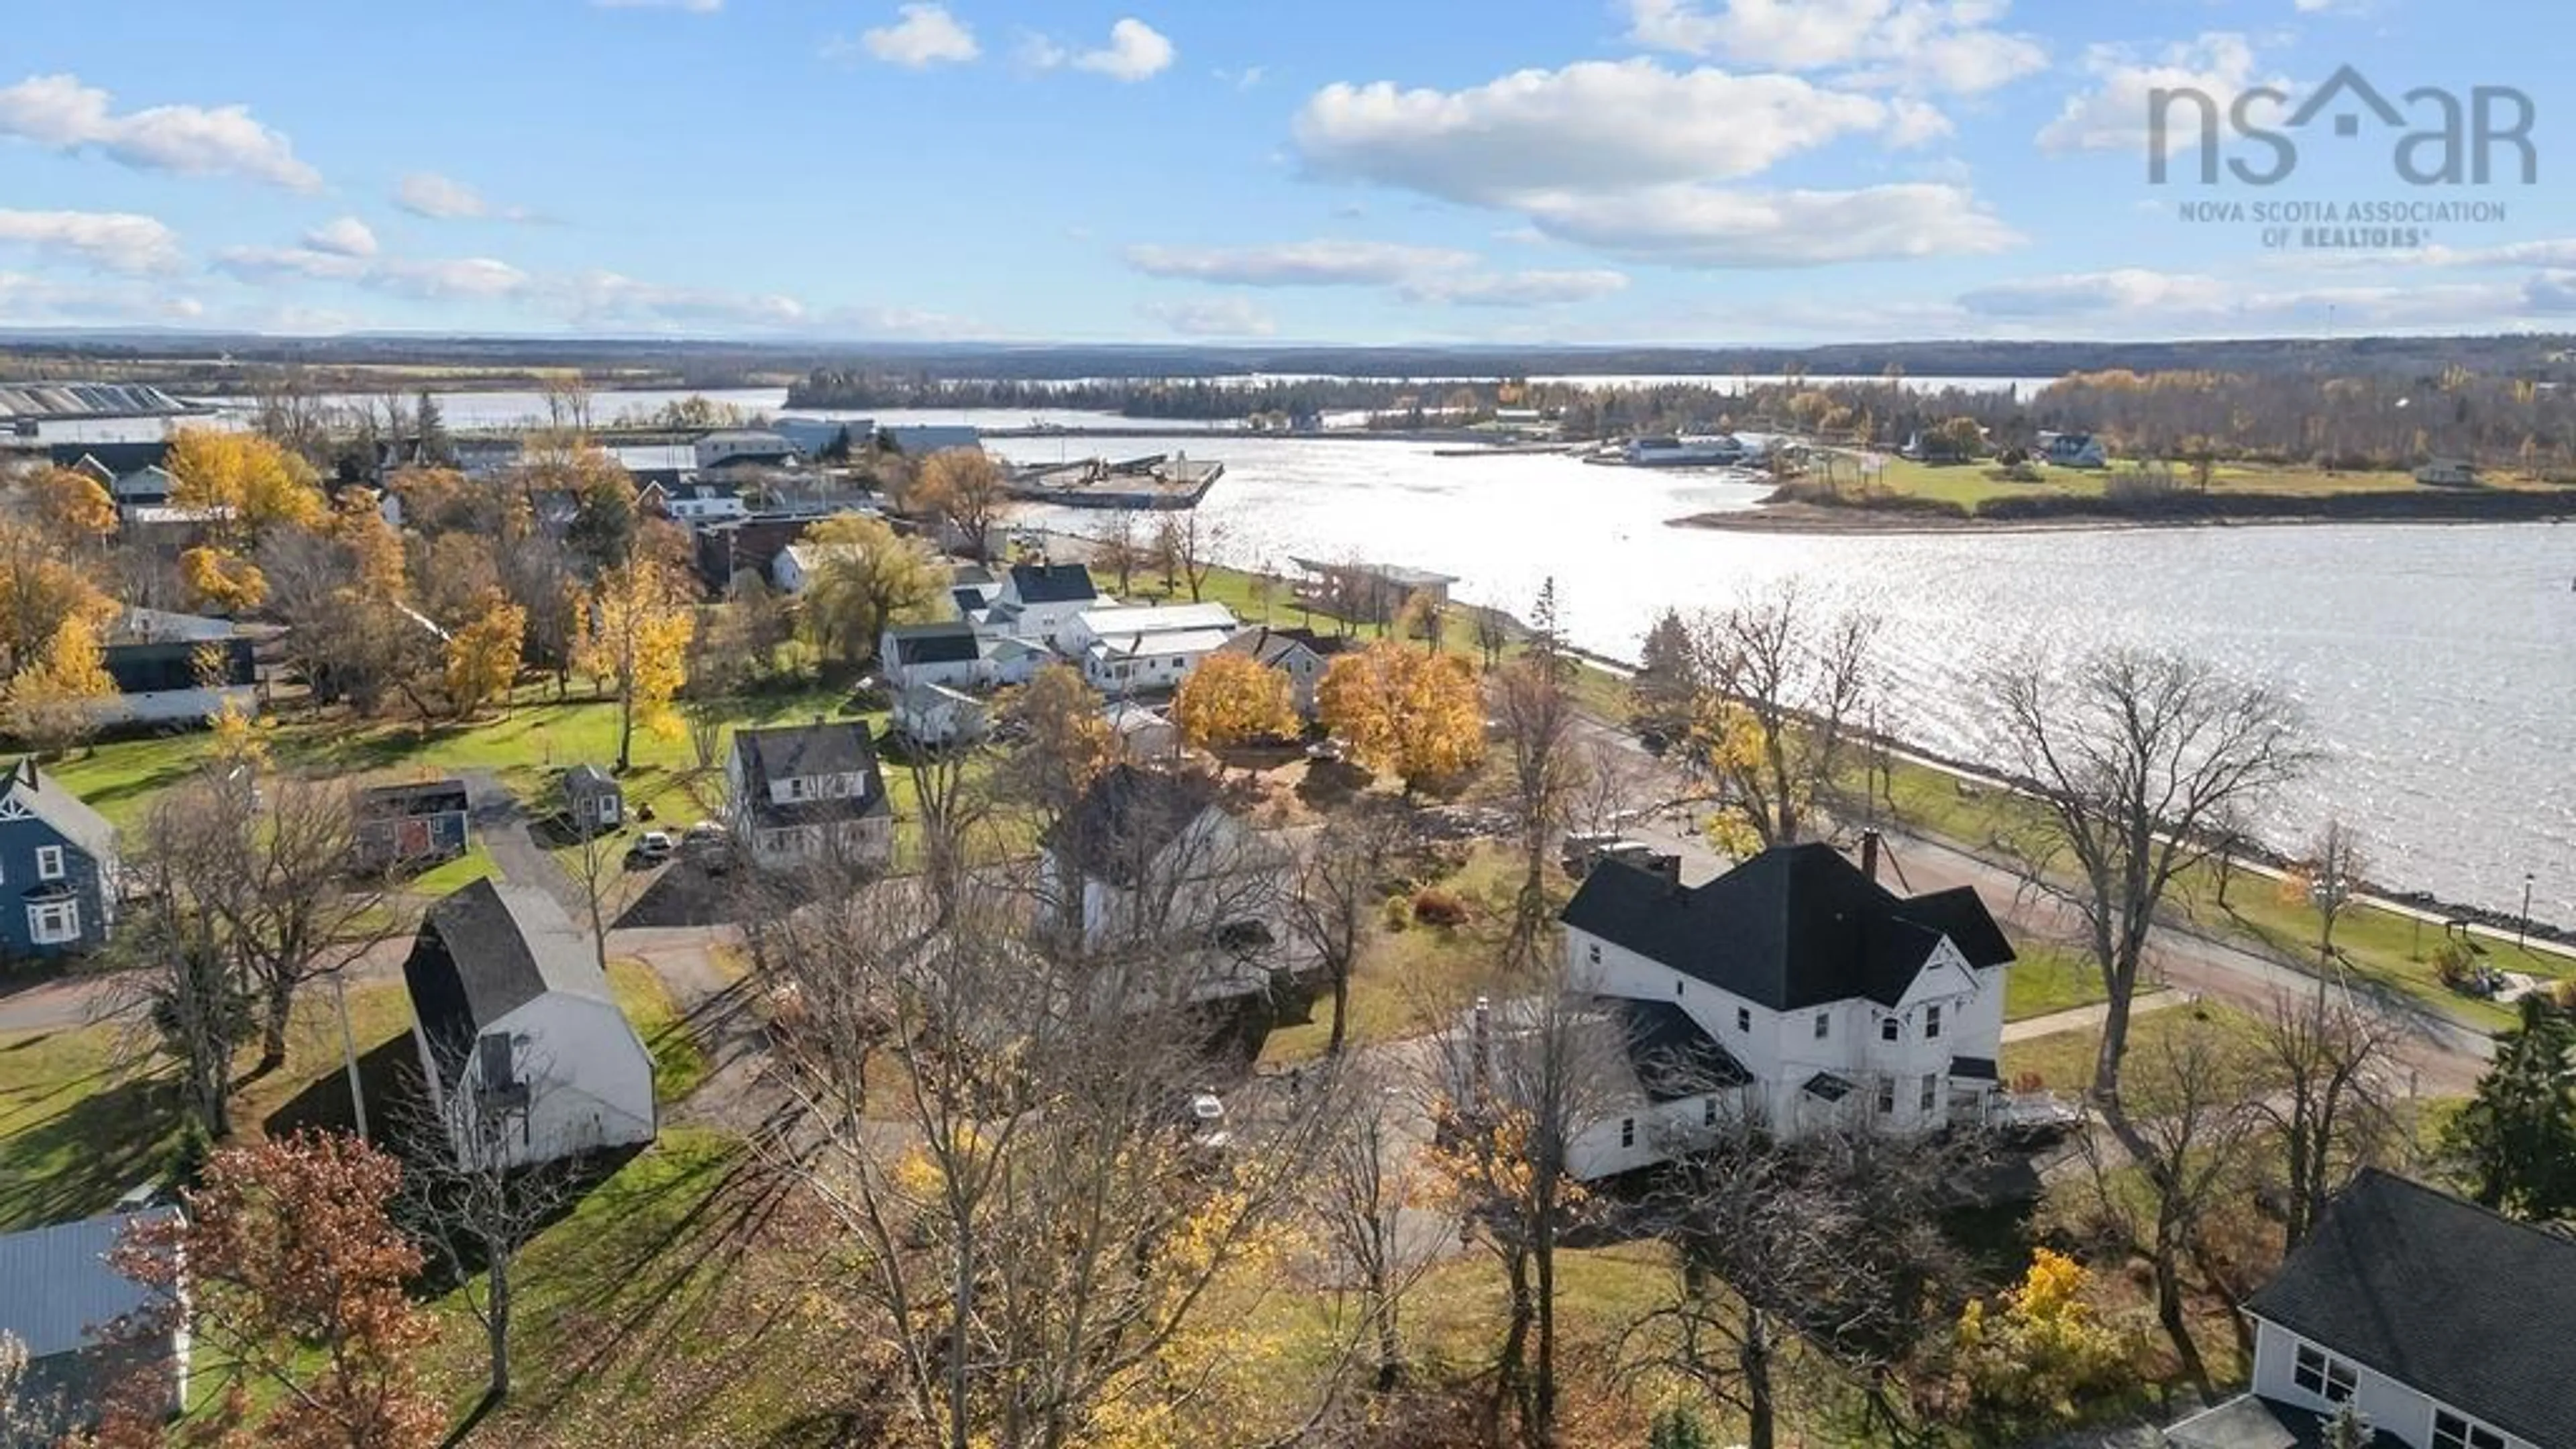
(653, 847)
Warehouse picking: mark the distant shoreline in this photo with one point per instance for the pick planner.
(1865, 520)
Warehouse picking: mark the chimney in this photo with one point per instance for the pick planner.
(1667, 866)
(1869, 854)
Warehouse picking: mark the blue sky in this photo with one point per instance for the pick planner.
(1589, 171)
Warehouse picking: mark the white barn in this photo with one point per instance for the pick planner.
(528, 1056)
(1795, 990)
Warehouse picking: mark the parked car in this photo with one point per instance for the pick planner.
(1329, 751)
(708, 844)
(652, 847)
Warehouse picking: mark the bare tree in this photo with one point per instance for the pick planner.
(2134, 756)
(2192, 1130)
(1334, 906)
(1199, 550)
(1367, 1179)
(1831, 1244)
(1493, 631)
(1022, 1190)
(1119, 549)
(472, 1207)
(597, 864)
(1786, 685)
(2330, 1067)
(1538, 719)
(1515, 1086)
(2332, 876)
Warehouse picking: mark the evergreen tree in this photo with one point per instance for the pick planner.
(1666, 682)
(437, 449)
(2516, 1140)
(1680, 1428)
(2348, 1429)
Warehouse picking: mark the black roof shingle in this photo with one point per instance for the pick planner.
(794, 752)
(1673, 1056)
(952, 642)
(1794, 927)
(2454, 1301)
(485, 951)
(1127, 818)
(1065, 583)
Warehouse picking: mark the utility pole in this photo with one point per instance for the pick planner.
(349, 1051)
(2523, 932)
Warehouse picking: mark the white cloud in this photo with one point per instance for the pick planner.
(265, 264)
(605, 297)
(1624, 157)
(114, 241)
(693, 7)
(346, 237)
(1707, 226)
(1136, 51)
(1298, 264)
(2128, 289)
(31, 300)
(444, 198)
(1212, 317)
(2113, 115)
(443, 280)
(1594, 125)
(1242, 80)
(922, 36)
(60, 113)
(1516, 289)
(1938, 45)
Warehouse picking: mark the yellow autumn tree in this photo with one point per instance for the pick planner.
(635, 629)
(483, 657)
(1063, 739)
(1233, 699)
(40, 591)
(259, 484)
(2042, 1353)
(72, 506)
(222, 580)
(53, 703)
(1418, 715)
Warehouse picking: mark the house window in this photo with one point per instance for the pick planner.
(1708, 1112)
(53, 923)
(1679, 985)
(1932, 1021)
(1824, 1025)
(795, 789)
(1886, 1095)
(2450, 1431)
(2322, 1374)
(1889, 1028)
(1931, 1086)
(1744, 1018)
(1627, 1131)
(49, 862)
(1592, 953)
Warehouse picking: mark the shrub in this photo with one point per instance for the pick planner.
(2455, 964)
(1398, 913)
(1433, 906)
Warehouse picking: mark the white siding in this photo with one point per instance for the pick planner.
(590, 1079)
(2391, 1407)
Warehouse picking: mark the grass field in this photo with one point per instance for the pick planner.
(678, 1065)
(2047, 978)
(2376, 945)
(1971, 485)
(2063, 1061)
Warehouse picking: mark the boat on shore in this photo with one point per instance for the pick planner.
(1157, 482)
(1668, 451)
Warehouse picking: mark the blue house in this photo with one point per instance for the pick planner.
(57, 868)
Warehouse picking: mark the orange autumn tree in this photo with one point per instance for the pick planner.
(56, 702)
(1233, 699)
(634, 636)
(483, 657)
(1418, 715)
(251, 486)
(293, 1300)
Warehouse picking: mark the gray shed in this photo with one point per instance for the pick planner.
(62, 1296)
(593, 799)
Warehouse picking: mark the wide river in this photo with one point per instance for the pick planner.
(2437, 665)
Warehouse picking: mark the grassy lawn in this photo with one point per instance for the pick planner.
(1413, 978)
(2375, 945)
(670, 1307)
(1971, 485)
(475, 864)
(2046, 978)
(88, 1112)
(2063, 1061)
(678, 1065)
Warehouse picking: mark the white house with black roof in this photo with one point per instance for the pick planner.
(810, 795)
(1794, 990)
(946, 653)
(528, 1056)
(2445, 1325)
(1152, 858)
(1037, 600)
